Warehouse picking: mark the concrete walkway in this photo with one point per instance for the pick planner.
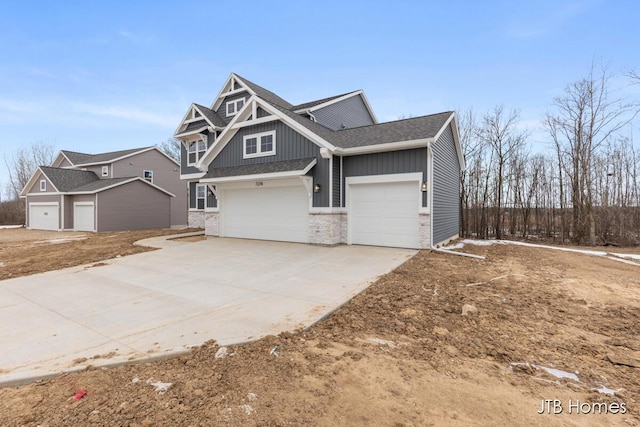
(163, 302)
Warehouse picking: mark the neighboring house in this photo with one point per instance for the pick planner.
(121, 190)
(323, 172)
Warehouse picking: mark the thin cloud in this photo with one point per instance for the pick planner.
(134, 37)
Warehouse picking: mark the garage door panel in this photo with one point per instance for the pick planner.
(84, 217)
(44, 217)
(266, 213)
(384, 214)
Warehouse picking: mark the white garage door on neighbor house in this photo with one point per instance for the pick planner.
(44, 216)
(83, 216)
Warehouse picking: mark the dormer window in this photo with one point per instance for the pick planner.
(105, 171)
(234, 106)
(196, 151)
(43, 185)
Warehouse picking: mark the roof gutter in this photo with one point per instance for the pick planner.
(389, 146)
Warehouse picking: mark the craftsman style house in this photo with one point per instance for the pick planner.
(323, 172)
(121, 190)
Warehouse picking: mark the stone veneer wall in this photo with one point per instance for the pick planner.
(196, 219)
(424, 231)
(211, 224)
(327, 228)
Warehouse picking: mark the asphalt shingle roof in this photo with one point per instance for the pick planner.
(68, 179)
(265, 94)
(312, 104)
(84, 158)
(100, 184)
(212, 116)
(260, 168)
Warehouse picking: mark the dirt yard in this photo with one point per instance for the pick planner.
(24, 252)
(400, 354)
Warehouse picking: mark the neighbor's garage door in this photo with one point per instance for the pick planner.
(384, 214)
(266, 213)
(43, 216)
(83, 216)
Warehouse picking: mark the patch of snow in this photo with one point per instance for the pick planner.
(63, 240)
(247, 409)
(606, 390)
(252, 396)
(5, 227)
(458, 245)
(632, 256)
(135, 380)
(221, 353)
(161, 388)
(558, 373)
(626, 261)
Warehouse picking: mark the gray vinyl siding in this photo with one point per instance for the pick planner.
(348, 113)
(184, 169)
(262, 113)
(211, 201)
(165, 175)
(43, 199)
(336, 182)
(446, 188)
(97, 169)
(222, 110)
(35, 187)
(392, 162)
(290, 145)
(133, 206)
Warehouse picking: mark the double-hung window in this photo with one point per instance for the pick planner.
(105, 171)
(259, 144)
(200, 196)
(196, 151)
(234, 106)
(148, 175)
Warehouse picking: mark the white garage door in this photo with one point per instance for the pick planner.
(83, 216)
(266, 213)
(43, 216)
(384, 214)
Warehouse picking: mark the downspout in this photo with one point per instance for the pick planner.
(432, 247)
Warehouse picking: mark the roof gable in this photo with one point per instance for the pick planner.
(84, 159)
(236, 84)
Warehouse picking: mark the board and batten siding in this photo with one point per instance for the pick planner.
(222, 109)
(290, 145)
(392, 162)
(348, 113)
(336, 182)
(133, 206)
(446, 188)
(184, 169)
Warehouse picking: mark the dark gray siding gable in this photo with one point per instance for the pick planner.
(290, 145)
(348, 113)
(222, 110)
(446, 188)
(405, 161)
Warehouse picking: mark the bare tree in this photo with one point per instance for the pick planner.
(171, 147)
(24, 162)
(499, 130)
(585, 116)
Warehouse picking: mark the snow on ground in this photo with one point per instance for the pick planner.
(610, 255)
(2, 227)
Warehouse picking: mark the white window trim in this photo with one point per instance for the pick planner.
(144, 175)
(199, 153)
(105, 170)
(259, 152)
(204, 199)
(235, 106)
(43, 185)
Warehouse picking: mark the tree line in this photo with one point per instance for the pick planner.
(583, 188)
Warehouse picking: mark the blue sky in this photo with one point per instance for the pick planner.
(103, 76)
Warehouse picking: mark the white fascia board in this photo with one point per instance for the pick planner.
(137, 178)
(44, 193)
(331, 101)
(368, 105)
(60, 153)
(32, 181)
(225, 136)
(380, 148)
(192, 175)
(265, 176)
(298, 127)
(191, 132)
(252, 122)
(111, 161)
(223, 94)
(456, 138)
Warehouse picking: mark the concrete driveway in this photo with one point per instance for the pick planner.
(165, 301)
